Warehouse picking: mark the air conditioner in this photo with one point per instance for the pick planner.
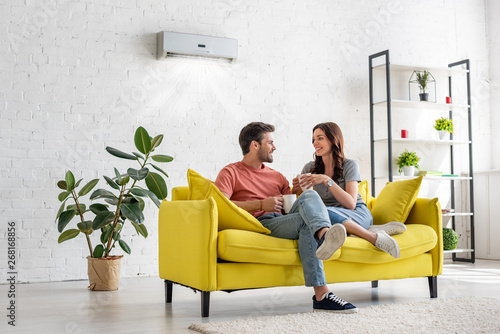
(175, 43)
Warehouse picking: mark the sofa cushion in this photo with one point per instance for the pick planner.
(417, 239)
(364, 191)
(229, 215)
(245, 246)
(395, 201)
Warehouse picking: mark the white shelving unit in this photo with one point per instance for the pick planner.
(401, 111)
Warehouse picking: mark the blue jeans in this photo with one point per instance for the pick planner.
(307, 215)
(360, 215)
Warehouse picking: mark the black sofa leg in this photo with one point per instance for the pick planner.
(433, 286)
(168, 291)
(205, 303)
(374, 284)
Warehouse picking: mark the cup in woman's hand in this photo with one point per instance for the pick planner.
(303, 185)
(288, 201)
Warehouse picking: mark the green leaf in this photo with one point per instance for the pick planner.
(98, 251)
(63, 196)
(162, 158)
(141, 229)
(85, 227)
(118, 175)
(112, 201)
(156, 141)
(124, 246)
(142, 140)
(83, 207)
(102, 219)
(139, 192)
(102, 193)
(61, 209)
(157, 185)
(120, 154)
(88, 187)
(133, 212)
(153, 197)
(106, 233)
(70, 180)
(98, 207)
(64, 219)
(112, 183)
(124, 180)
(140, 156)
(78, 183)
(159, 169)
(62, 185)
(67, 235)
(138, 174)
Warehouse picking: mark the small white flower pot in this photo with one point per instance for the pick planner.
(409, 170)
(443, 134)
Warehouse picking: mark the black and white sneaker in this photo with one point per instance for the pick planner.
(332, 303)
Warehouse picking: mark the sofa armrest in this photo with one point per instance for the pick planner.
(428, 212)
(187, 243)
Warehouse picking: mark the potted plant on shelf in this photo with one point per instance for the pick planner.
(423, 77)
(444, 126)
(407, 162)
(115, 208)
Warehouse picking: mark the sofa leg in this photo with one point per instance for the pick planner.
(205, 303)
(168, 291)
(433, 286)
(374, 284)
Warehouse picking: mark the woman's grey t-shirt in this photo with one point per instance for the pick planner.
(351, 173)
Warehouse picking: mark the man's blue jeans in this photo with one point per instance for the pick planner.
(307, 215)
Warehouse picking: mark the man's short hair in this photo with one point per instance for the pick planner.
(253, 131)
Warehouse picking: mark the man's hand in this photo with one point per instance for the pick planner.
(272, 204)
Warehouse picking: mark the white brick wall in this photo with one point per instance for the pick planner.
(78, 76)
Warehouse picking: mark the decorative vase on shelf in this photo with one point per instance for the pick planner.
(424, 97)
(443, 134)
(409, 170)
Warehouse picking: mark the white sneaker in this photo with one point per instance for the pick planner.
(387, 244)
(332, 240)
(390, 228)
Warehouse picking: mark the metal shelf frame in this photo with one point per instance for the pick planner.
(453, 69)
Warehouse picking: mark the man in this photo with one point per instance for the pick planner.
(258, 189)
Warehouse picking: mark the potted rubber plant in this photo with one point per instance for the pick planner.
(444, 126)
(423, 78)
(407, 162)
(112, 209)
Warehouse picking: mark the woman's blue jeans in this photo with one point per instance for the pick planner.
(307, 215)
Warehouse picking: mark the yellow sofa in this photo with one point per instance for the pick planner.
(195, 252)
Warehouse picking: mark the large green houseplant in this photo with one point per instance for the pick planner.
(110, 210)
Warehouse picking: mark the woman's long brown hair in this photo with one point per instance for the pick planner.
(334, 135)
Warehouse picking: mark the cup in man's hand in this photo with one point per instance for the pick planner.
(288, 201)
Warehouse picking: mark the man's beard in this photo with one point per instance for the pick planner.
(264, 156)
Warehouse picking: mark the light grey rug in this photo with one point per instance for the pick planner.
(452, 315)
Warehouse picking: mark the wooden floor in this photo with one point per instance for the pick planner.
(138, 306)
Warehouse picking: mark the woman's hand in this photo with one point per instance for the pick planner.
(313, 179)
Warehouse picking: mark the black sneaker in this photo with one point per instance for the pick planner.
(332, 303)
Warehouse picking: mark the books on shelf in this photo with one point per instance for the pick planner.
(435, 173)
(444, 211)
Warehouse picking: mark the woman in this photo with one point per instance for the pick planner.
(336, 178)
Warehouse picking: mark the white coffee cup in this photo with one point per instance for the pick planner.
(304, 186)
(288, 201)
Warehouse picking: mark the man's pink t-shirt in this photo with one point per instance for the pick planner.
(244, 183)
